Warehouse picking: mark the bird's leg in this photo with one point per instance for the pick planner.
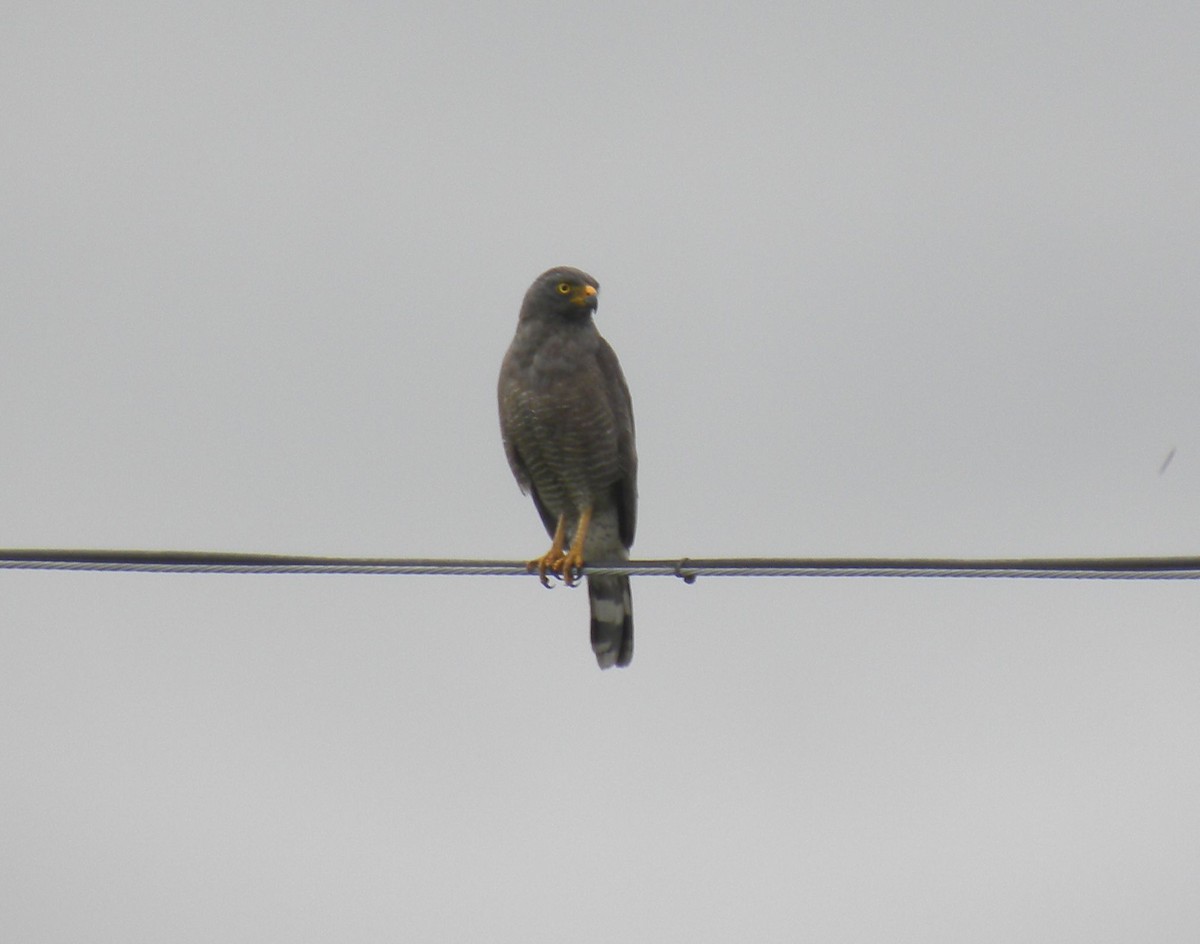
(572, 561)
(552, 559)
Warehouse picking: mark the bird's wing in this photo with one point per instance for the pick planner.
(621, 404)
(516, 462)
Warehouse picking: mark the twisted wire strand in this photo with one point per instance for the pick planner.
(688, 569)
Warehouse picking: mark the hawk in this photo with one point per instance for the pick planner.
(567, 423)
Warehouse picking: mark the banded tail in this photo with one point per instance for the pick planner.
(612, 620)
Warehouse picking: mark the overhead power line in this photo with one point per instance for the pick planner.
(688, 569)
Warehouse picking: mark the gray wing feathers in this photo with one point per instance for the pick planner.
(508, 434)
(621, 404)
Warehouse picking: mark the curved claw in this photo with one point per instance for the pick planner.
(565, 564)
(547, 562)
(572, 561)
(552, 560)
(570, 566)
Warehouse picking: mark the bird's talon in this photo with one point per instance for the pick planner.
(540, 565)
(569, 567)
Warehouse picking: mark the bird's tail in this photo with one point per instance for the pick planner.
(612, 620)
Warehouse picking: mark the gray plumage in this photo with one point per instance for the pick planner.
(567, 423)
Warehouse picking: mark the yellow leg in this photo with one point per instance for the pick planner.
(553, 558)
(572, 561)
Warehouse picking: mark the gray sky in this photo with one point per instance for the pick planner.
(884, 279)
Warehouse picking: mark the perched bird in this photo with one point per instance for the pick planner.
(567, 424)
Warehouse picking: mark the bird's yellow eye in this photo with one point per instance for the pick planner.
(564, 288)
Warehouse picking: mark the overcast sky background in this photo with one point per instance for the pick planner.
(885, 279)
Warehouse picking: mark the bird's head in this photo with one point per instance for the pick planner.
(563, 292)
